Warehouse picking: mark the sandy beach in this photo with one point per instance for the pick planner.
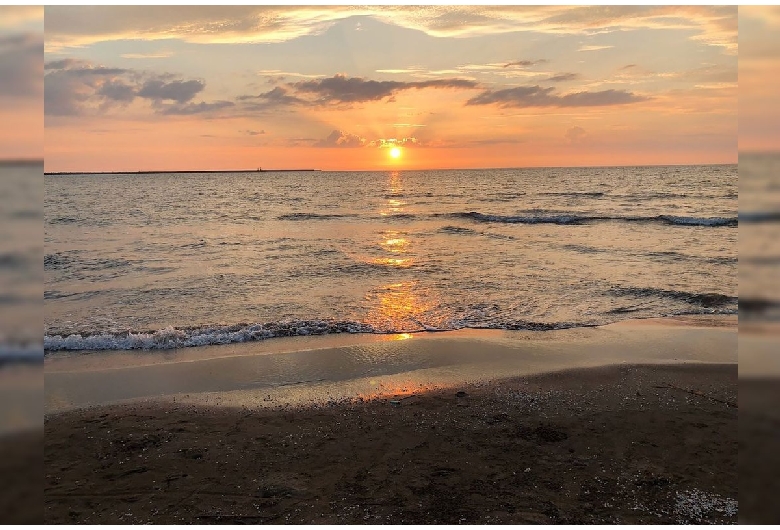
(647, 442)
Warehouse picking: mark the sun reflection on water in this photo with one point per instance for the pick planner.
(399, 307)
(402, 305)
(400, 336)
(395, 188)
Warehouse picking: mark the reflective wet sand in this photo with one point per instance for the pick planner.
(322, 369)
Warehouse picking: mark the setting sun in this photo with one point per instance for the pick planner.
(395, 152)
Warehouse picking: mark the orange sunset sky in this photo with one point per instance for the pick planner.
(143, 88)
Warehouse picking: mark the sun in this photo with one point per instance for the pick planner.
(395, 152)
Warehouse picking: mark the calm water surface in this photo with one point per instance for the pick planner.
(171, 260)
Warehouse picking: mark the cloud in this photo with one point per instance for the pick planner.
(338, 138)
(536, 96)
(194, 108)
(152, 55)
(281, 73)
(178, 91)
(14, 17)
(275, 98)
(117, 90)
(384, 143)
(21, 61)
(593, 48)
(559, 78)
(63, 64)
(468, 71)
(575, 134)
(66, 88)
(341, 139)
(524, 63)
(342, 89)
(253, 133)
(73, 87)
(69, 26)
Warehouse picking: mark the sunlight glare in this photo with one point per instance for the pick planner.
(395, 152)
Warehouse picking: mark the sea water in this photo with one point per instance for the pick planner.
(155, 261)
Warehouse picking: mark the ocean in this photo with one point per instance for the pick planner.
(21, 249)
(159, 261)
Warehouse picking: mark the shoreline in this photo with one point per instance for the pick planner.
(615, 444)
(310, 369)
(629, 423)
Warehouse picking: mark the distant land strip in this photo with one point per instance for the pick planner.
(174, 172)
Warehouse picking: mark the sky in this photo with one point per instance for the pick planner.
(21, 82)
(163, 88)
(759, 77)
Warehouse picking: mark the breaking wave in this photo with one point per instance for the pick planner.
(705, 300)
(308, 216)
(171, 337)
(575, 219)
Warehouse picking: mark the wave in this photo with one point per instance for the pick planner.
(692, 221)
(758, 305)
(573, 193)
(759, 217)
(706, 300)
(64, 220)
(397, 216)
(308, 216)
(172, 338)
(449, 229)
(13, 260)
(20, 353)
(517, 219)
(576, 219)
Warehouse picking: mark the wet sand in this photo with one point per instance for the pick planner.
(759, 422)
(304, 370)
(621, 443)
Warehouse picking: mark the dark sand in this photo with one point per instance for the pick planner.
(617, 444)
(21, 443)
(759, 460)
(21, 472)
(759, 422)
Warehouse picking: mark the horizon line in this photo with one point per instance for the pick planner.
(313, 170)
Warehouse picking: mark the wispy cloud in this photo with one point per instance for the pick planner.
(523, 63)
(508, 70)
(593, 48)
(281, 73)
(68, 26)
(189, 109)
(560, 78)
(536, 96)
(13, 17)
(343, 89)
(151, 55)
(343, 139)
(274, 98)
